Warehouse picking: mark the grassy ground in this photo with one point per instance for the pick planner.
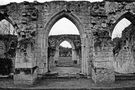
(69, 84)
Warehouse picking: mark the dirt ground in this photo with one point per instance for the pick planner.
(69, 84)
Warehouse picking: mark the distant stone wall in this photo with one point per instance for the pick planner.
(55, 40)
(55, 51)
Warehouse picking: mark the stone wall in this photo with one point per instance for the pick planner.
(124, 61)
(124, 58)
(102, 70)
(56, 40)
(34, 21)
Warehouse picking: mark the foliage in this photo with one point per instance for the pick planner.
(117, 45)
(5, 66)
(65, 51)
(10, 42)
(23, 44)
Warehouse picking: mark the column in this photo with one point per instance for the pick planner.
(56, 57)
(74, 56)
(84, 63)
(25, 63)
(102, 70)
(25, 68)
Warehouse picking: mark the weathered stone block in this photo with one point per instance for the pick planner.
(103, 75)
(41, 71)
(25, 65)
(103, 64)
(88, 17)
(23, 82)
(103, 58)
(25, 75)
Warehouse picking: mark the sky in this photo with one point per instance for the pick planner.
(65, 26)
(66, 44)
(122, 24)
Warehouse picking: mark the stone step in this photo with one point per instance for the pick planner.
(124, 77)
(128, 88)
(66, 76)
(76, 88)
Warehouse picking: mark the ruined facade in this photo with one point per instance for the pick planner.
(95, 22)
(54, 48)
(55, 41)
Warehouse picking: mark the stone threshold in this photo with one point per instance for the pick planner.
(93, 88)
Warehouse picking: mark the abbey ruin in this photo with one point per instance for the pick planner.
(100, 57)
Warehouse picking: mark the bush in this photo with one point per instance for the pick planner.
(5, 66)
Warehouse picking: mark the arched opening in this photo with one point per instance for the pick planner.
(126, 19)
(65, 56)
(65, 44)
(77, 23)
(65, 59)
(64, 26)
(8, 44)
(120, 26)
(65, 51)
(7, 28)
(123, 39)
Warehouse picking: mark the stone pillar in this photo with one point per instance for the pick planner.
(84, 64)
(25, 67)
(74, 56)
(102, 69)
(82, 61)
(2, 49)
(56, 56)
(25, 63)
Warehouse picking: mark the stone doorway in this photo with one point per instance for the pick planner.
(76, 21)
(66, 60)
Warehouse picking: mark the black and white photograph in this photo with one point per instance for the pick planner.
(67, 44)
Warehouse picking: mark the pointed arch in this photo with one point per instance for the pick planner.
(65, 44)
(9, 20)
(67, 15)
(120, 26)
(64, 26)
(128, 15)
(45, 33)
(65, 39)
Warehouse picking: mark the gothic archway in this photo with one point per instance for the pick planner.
(65, 60)
(128, 15)
(71, 43)
(76, 21)
(8, 39)
(123, 45)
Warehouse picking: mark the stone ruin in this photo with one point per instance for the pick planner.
(95, 22)
(54, 44)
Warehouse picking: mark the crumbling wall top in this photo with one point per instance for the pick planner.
(120, 0)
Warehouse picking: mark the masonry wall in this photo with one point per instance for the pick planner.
(55, 40)
(33, 18)
(124, 62)
(51, 9)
